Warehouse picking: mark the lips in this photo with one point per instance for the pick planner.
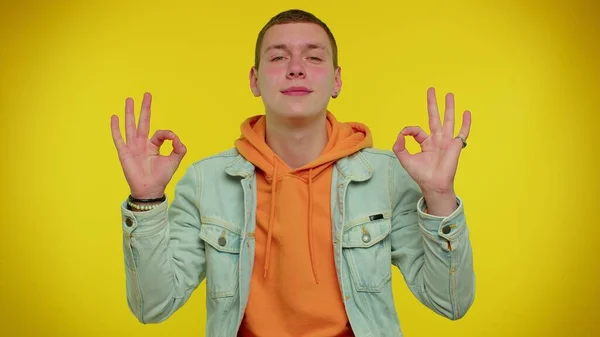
(296, 91)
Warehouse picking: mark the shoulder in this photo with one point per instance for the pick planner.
(386, 160)
(221, 158)
(380, 159)
(378, 154)
(213, 165)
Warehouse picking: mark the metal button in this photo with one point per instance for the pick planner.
(128, 222)
(446, 229)
(366, 237)
(222, 241)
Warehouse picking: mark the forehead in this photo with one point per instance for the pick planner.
(295, 35)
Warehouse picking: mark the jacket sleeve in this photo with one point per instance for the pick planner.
(434, 254)
(164, 256)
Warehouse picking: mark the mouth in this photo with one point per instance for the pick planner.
(296, 91)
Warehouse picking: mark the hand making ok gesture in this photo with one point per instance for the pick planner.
(146, 170)
(434, 168)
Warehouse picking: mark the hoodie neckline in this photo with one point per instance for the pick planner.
(343, 139)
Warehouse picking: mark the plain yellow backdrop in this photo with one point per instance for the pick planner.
(528, 71)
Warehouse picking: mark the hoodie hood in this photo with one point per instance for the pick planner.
(344, 139)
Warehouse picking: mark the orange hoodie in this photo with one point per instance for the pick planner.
(294, 289)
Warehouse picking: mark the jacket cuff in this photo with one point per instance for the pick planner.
(448, 227)
(144, 222)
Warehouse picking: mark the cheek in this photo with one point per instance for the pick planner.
(323, 76)
(269, 76)
(272, 72)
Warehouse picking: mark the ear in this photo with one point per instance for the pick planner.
(337, 82)
(253, 77)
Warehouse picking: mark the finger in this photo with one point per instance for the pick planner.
(116, 133)
(179, 149)
(449, 115)
(144, 121)
(130, 132)
(416, 132)
(432, 109)
(463, 134)
(465, 128)
(400, 149)
(160, 136)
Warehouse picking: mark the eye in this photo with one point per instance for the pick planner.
(314, 58)
(277, 58)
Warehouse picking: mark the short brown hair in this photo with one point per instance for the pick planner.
(294, 16)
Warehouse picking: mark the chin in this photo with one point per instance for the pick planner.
(297, 110)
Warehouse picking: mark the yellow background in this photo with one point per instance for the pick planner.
(528, 71)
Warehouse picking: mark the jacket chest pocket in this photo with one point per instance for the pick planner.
(222, 252)
(367, 249)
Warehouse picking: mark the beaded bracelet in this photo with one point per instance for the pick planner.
(141, 207)
(133, 202)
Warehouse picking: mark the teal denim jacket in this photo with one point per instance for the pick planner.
(378, 220)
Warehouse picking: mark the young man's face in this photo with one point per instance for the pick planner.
(295, 76)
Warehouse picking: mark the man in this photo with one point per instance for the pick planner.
(296, 228)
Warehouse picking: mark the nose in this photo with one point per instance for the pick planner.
(295, 68)
(295, 74)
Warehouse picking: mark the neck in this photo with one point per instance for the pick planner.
(297, 142)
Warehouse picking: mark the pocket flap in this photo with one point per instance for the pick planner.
(221, 236)
(367, 231)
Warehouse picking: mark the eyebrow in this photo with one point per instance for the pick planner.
(307, 46)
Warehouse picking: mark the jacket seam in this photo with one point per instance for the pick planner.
(198, 178)
(452, 286)
(391, 182)
(137, 291)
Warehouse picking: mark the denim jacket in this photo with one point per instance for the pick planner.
(378, 220)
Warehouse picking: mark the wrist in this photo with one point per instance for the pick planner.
(440, 204)
(146, 195)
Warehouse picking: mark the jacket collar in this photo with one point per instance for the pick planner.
(239, 166)
(354, 167)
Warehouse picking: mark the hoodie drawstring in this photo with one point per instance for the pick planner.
(271, 220)
(311, 246)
